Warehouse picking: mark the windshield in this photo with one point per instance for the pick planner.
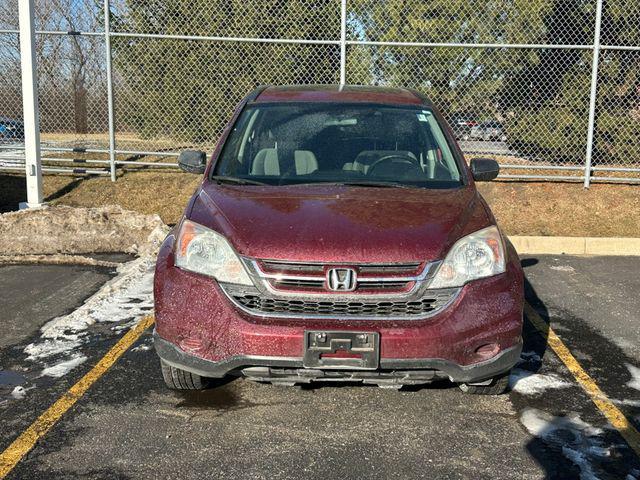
(336, 143)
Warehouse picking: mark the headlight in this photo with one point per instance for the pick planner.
(478, 255)
(204, 251)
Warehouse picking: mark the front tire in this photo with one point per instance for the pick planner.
(177, 379)
(498, 386)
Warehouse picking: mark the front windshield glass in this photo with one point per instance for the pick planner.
(336, 143)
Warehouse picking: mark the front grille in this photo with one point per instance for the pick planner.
(374, 278)
(297, 284)
(275, 266)
(253, 302)
(392, 268)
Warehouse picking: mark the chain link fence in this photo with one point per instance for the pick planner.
(550, 88)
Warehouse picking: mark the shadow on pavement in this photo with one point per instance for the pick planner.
(571, 453)
(534, 340)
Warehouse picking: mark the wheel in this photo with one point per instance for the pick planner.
(498, 386)
(177, 379)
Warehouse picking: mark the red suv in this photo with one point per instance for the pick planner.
(338, 235)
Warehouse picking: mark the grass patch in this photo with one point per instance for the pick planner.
(521, 208)
(565, 209)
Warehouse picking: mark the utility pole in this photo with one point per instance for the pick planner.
(32, 157)
(594, 96)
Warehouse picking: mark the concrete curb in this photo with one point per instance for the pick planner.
(576, 245)
(57, 259)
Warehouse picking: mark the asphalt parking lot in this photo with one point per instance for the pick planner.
(128, 425)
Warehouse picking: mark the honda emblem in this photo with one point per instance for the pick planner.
(342, 279)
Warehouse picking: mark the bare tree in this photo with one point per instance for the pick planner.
(70, 67)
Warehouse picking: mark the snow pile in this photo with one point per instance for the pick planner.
(63, 233)
(68, 230)
(119, 303)
(577, 440)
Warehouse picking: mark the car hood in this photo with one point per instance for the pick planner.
(339, 223)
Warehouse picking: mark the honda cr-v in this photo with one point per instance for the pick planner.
(338, 235)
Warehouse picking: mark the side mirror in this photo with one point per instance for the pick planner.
(484, 169)
(192, 161)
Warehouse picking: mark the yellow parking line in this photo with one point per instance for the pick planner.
(26, 441)
(604, 404)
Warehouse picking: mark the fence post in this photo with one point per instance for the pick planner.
(112, 133)
(343, 42)
(594, 93)
(32, 158)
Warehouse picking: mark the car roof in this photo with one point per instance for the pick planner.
(339, 94)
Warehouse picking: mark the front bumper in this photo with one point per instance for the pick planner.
(199, 329)
(425, 368)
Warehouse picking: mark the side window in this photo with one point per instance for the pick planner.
(233, 159)
(248, 139)
(443, 165)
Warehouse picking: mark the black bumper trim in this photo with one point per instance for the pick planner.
(477, 372)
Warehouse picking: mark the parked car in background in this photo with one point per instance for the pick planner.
(338, 235)
(11, 130)
(489, 131)
(461, 124)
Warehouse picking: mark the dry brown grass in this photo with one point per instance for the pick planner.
(565, 209)
(164, 193)
(522, 208)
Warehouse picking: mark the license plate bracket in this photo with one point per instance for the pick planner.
(341, 350)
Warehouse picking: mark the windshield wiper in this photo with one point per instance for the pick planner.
(236, 180)
(368, 184)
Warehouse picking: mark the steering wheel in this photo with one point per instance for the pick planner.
(395, 158)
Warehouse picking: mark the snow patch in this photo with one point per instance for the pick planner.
(635, 376)
(51, 347)
(563, 268)
(577, 439)
(529, 383)
(60, 369)
(545, 425)
(141, 348)
(582, 461)
(626, 402)
(121, 302)
(19, 392)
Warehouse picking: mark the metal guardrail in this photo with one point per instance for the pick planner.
(557, 78)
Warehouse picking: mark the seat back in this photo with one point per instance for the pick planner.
(306, 162)
(267, 162)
